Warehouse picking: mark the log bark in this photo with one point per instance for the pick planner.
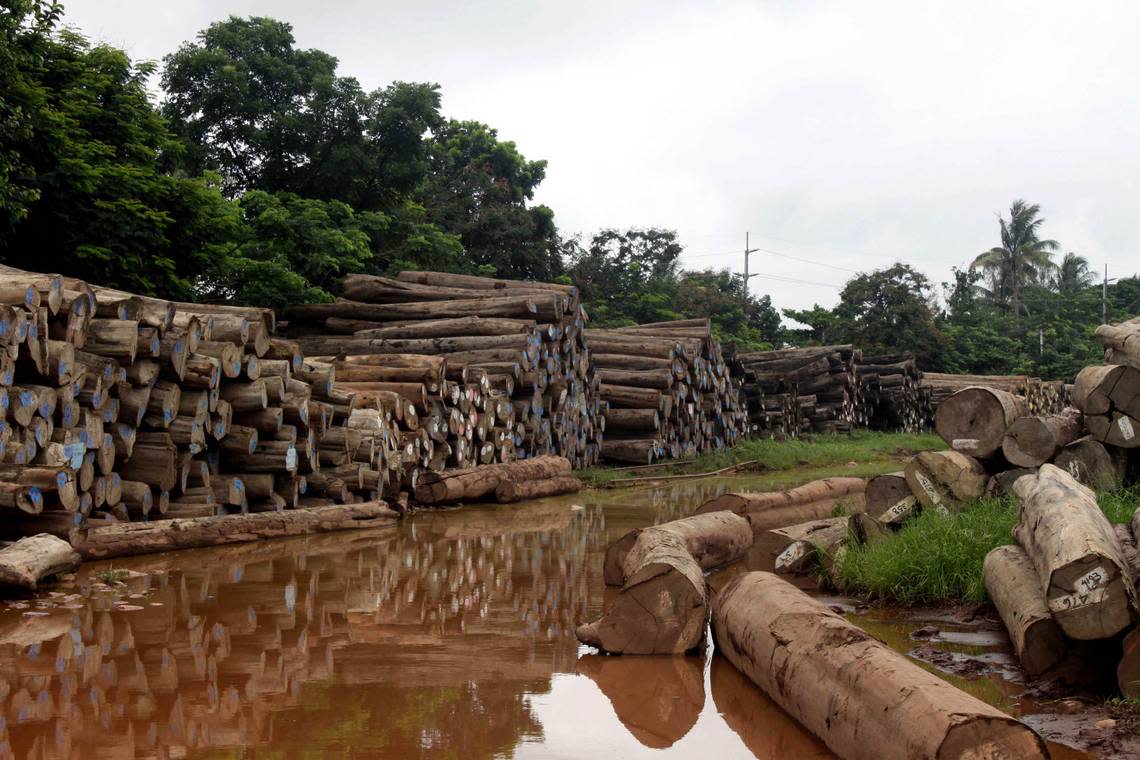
(1079, 562)
(864, 700)
(524, 307)
(28, 561)
(831, 490)
(714, 539)
(1123, 340)
(1015, 589)
(945, 480)
(1093, 464)
(663, 606)
(165, 535)
(477, 482)
(509, 491)
(801, 547)
(1033, 441)
(974, 420)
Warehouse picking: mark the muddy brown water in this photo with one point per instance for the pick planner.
(450, 635)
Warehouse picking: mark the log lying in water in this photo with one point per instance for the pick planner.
(165, 535)
(804, 545)
(474, 483)
(864, 700)
(663, 606)
(974, 420)
(1015, 589)
(509, 491)
(1033, 441)
(714, 540)
(1079, 562)
(29, 560)
(776, 509)
(945, 480)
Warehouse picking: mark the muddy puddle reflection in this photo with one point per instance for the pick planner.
(450, 635)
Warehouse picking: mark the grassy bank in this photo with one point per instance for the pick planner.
(938, 558)
(864, 446)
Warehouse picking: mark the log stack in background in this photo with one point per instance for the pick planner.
(505, 371)
(669, 389)
(796, 390)
(1042, 397)
(893, 393)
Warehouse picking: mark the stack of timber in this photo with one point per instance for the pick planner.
(1039, 396)
(893, 393)
(800, 390)
(670, 391)
(497, 369)
(124, 408)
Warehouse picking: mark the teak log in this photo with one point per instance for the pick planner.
(477, 482)
(30, 560)
(974, 420)
(1033, 441)
(714, 539)
(1093, 464)
(863, 699)
(663, 606)
(509, 491)
(945, 480)
(1015, 589)
(1079, 562)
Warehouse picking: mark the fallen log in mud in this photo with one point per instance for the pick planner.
(30, 560)
(714, 540)
(509, 491)
(1015, 589)
(663, 606)
(473, 483)
(126, 539)
(1080, 566)
(777, 509)
(864, 700)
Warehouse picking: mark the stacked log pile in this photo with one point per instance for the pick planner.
(120, 407)
(1041, 397)
(796, 390)
(670, 391)
(494, 369)
(893, 393)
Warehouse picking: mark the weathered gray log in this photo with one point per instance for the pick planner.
(30, 560)
(1092, 463)
(945, 480)
(1015, 589)
(1033, 441)
(714, 539)
(1079, 562)
(863, 699)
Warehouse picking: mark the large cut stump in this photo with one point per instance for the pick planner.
(30, 560)
(885, 491)
(714, 540)
(1015, 589)
(945, 480)
(974, 420)
(863, 699)
(663, 606)
(1033, 441)
(1093, 464)
(1079, 562)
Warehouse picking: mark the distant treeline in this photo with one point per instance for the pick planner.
(264, 175)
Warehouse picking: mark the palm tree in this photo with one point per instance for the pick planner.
(1073, 274)
(1022, 256)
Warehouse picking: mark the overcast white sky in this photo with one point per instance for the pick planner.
(847, 134)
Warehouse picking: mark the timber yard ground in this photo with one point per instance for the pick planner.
(452, 634)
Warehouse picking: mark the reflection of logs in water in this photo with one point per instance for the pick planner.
(657, 698)
(205, 649)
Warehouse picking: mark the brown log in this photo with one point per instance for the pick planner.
(1123, 340)
(525, 307)
(973, 421)
(627, 397)
(885, 491)
(432, 328)
(802, 546)
(1013, 585)
(1093, 464)
(1079, 562)
(663, 606)
(632, 420)
(509, 491)
(831, 490)
(475, 483)
(863, 699)
(945, 480)
(713, 539)
(166, 535)
(661, 379)
(1033, 441)
(30, 560)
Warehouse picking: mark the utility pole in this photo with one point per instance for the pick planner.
(1104, 297)
(747, 251)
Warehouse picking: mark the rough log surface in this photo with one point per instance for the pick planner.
(29, 560)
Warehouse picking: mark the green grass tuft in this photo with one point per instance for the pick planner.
(938, 558)
(111, 575)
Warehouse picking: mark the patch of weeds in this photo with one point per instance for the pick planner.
(1126, 712)
(111, 575)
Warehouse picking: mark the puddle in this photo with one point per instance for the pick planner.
(451, 634)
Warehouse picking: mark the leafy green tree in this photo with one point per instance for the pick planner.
(890, 310)
(822, 326)
(269, 116)
(628, 277)
(1022, 257)
(90, 198)
(736, 315)
(1073, 274)
(478, 189)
